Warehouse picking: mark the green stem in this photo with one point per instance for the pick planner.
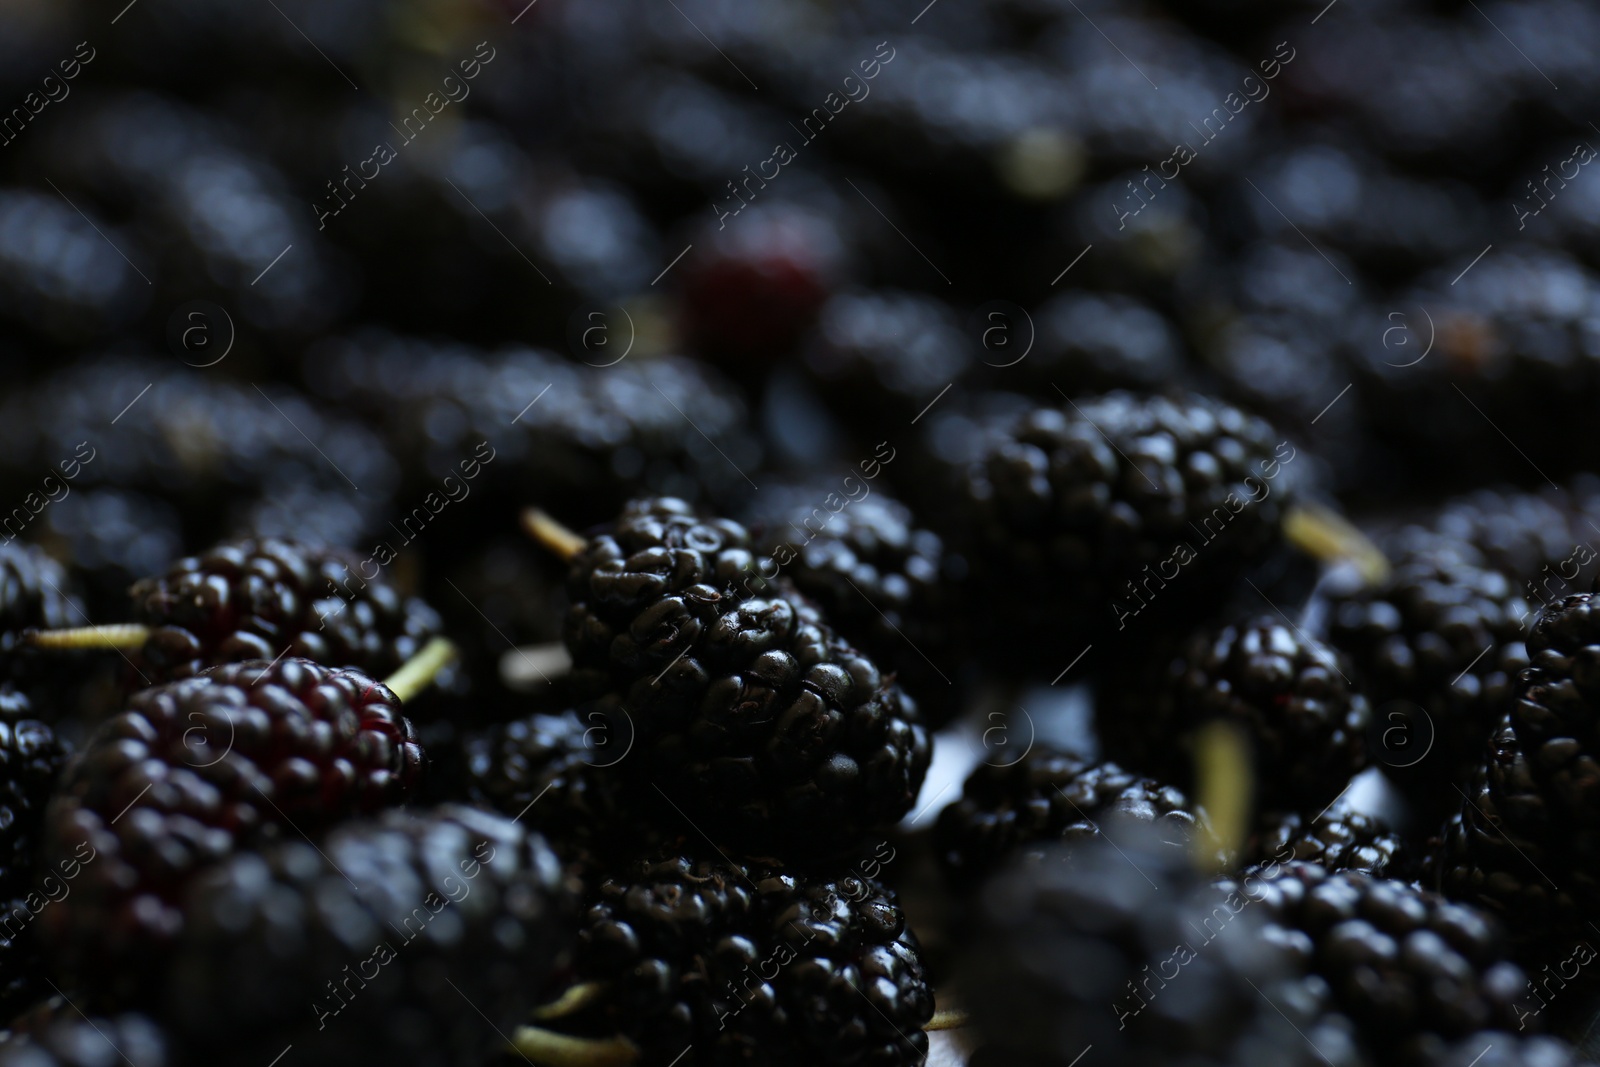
(549, 1049)
(127, 637)
(418, 672)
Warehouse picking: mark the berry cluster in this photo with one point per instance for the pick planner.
(704, 534)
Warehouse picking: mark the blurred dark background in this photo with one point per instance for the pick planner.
(282, 266)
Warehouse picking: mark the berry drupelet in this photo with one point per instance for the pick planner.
(1436, 646)
(881, 580)
(230, 459)
(192, 771)
(1497, 852)
(1412, 970)
(1044, 797)
(1527, 840)
(1080, 519)
(598, 436)
(747, 961)
(1516, 341)
(1556, 717)
(32, 687)
(1445, 630)
(260, 599)
(1114, 943)
(1287, 692)
(1539, 540)
(747, 709)
(31, 759)
(552, 771)
(1338, 841)
(393, 930)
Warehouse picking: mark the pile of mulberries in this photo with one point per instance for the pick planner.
(1008, 534)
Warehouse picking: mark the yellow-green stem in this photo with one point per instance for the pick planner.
(127, 637)
(560, 540)
(1329, 536)
(418, 672)
(1223, 773)
(549, 1049)
(573, 1000)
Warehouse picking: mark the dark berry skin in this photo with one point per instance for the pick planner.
(1049, 796)
(883, 581)
(259, 599)
(1514, 343)
(31, 759)
(195, 770)
(553, 772)
(55, 279)
(1288, 693)
(755, 962)
(1120, 514)
(1527, 839)
(752, 290)
(1557, 714)
(620, 431)
(750, 714)
(210, 452)
(1347, 841)
(1443, 633)
(391, 941)
(1114, 942)
(1502, 853)
(1411, 969)
(1538, 540)
(33, 593)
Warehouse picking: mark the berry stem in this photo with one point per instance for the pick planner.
(523, 667)
(1328, 536)
(552, 534)
(128, 637)
(948, 1019)
(418, 672)
(573, 1000)
(549, 1049)
(1222, 772)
